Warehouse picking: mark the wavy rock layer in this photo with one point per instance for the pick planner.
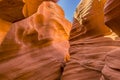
(112, 15)
(36, 48)
(111, 70)
(90, 15)
(93, 56)
(11, 10)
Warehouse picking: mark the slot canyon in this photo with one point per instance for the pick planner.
(38, 42)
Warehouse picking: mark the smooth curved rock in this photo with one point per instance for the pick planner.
(111, 70)
(11, 10)
(31, 6)
(89, 46)
(36, 47)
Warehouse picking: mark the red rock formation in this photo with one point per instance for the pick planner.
(111, 70)
(36, 48)
(11, 10)
(112, 15)
(90, 50)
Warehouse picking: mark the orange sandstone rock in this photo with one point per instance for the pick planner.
(4, 28)
(36, 47)
(93, 56)
(10, 11)
(90, 14)
(31, 6)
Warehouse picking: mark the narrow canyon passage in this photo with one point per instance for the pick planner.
(59, 40)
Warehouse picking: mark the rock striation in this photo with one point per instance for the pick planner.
(112, 17)
(36, 48)
(11, 10)
(111, 70)
(93, 55)
(42, 46)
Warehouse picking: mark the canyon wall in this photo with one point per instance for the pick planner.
(37, 42)
(36, 48)
(112, 17)
(94, 46)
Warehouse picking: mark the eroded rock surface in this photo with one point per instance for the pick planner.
(111, 70)
(36, 48)
(91, 51)
(112, 17)
(31, 6)
(11, 10)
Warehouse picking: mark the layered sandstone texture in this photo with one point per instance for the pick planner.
(93, 55)
(11, 10)
(36, 48)
(112, 15)
(111, 70)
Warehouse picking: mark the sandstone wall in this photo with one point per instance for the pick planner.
(112, 17)
(36, 48)
(93, 55)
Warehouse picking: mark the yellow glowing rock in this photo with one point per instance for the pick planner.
(4, 27)
(30, 7)
(90, 14)
(49, 22)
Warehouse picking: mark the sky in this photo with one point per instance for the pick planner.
(69, 7)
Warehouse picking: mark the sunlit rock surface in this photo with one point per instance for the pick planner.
(4, 28)
(31, 6)
(36, 48)
(90, 14)
(11, 10)
(92, 53)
